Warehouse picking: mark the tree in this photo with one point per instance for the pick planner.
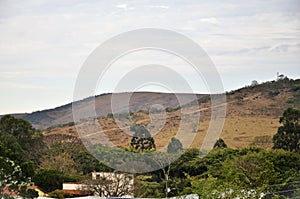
(14, 170)
(164, 161)
(110, 184)
(254, 83)
(141, 140)
(11, 176)
(288, 135)
(51, 179)
(20, 129)
(146, 187)
(19, 136)
(175, 146)
(62, 162)
(252, 172)
(220, 143)
(28, 193)
(86, 163)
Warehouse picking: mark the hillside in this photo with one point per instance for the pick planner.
(252, 114)
(63, 114)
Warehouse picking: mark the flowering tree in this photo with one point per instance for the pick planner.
(10, 176)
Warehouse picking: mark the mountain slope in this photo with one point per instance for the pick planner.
(139, 101)
(252, 113)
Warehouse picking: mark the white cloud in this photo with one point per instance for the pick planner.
(13, 85)
(211, 20)
(122, 6)
(159, 6)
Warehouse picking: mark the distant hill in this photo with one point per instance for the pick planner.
(253, 114)
(63, 114)
(252, 118)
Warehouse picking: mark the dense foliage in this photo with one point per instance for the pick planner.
(248, 173)
(220, 143)
(141, 140)
(17, 141)
(288, 135)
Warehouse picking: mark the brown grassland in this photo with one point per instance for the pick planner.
(252, 112)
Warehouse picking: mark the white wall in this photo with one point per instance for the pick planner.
(72, 186)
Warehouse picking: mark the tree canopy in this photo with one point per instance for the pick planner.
(17, 141)
(220, 143)
(288, 135)
(175, 146)
(142, 139)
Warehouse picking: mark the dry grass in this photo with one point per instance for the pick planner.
(249, 115)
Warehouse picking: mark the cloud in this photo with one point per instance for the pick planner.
(4, 74)
(159, 6)
(15, 85)
(285, 48)
(122, 6)
(211, 20)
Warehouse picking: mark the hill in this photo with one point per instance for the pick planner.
(252, 116)
(63, 114)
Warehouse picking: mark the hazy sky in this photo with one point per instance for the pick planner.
(44, 43)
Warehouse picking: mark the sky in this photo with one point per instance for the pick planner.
(43, 44)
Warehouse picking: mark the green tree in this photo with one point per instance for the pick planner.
(175, 146)
(141, 140)
(19, 136)
(11, 175)
(146, 187)
(288, 135)
(16, 137)
(51, 179)
(86, 163)
(28, 193)
(220, 143)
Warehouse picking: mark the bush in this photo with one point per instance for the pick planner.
(59, 194)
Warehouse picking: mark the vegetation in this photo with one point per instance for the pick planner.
(288, 135)
(262, 170)
(59, 194)
(246, 172)
(50, 179)
(141, 140)
(17, 141)
(28, 193)
(174, 146)
(220, 143)
(110, 185)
